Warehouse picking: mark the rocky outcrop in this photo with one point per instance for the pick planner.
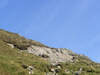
(11, 45)
(54, 55)
(78, 72)
(28, 68)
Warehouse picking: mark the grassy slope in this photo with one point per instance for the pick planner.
(89, 67)
(17, 40)
(11, 60)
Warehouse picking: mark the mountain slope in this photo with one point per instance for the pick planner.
(20, 56)
(17, 40)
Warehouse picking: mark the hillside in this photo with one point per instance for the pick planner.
(21, 56)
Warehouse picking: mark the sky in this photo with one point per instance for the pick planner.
(72, 24)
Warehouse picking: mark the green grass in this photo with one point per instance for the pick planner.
(12, 59)
(89, 67)
(17, 40)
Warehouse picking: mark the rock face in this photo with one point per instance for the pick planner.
(54, 55)
(11, 45)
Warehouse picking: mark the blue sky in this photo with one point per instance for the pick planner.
(72, 24)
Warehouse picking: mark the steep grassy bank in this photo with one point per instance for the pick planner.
(13, 59)
(17, 40)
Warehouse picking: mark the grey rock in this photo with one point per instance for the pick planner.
(30, 69)
(78, 72)
(53, 55)
(11, 45)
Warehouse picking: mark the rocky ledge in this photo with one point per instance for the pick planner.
(53, 55)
